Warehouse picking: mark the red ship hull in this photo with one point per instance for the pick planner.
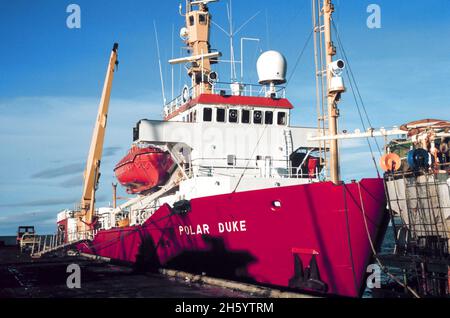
(143, 168)
(245, 236)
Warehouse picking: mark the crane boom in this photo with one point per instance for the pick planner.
(92, 171)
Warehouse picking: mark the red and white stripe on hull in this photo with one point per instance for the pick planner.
(255, 235)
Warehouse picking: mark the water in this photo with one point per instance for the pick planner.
(387, 247)
(389, 241)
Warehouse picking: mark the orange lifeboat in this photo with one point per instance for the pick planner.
(143, 169)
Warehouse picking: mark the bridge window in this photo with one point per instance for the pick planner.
(233, 116)
(268, 118)
(207, 114)
(245, 117)
(202, 18)
(191, 20)
(282, 118)
(220, 115)
(257, 117)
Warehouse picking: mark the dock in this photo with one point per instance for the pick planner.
(24, 277)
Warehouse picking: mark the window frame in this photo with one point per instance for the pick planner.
(236, 120)
(284, 118)
(224, 115)
(266, 118)
(248, 112)
(202, 16)
(205, 109)
(261, 120)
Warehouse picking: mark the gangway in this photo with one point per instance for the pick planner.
(46, 244)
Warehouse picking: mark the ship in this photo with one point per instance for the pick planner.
(225, 186)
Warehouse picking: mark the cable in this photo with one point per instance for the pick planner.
(350, 72)
(248, 162)
(131, 231)
(385, 270)
(364, 127)
(300, 56)
(265, 127)
(349, 238)
(352, 81)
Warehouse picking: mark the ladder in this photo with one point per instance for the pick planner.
(289, 145)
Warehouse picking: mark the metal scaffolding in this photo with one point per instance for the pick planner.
(419, 205)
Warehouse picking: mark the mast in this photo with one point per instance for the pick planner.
(333, 111)
(196, 36)
(325, 66)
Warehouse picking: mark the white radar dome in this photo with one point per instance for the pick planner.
(271, 67)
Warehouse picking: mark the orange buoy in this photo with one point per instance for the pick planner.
(390, 162)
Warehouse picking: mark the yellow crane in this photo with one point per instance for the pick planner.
(92, 171)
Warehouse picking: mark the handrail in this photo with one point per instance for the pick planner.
(51, 242)
(204, 169)
(252, 90)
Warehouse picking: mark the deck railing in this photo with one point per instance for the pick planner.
(42, 244)
(269, 168)
(223, 88)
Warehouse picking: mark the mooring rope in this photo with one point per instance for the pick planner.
(375, 254)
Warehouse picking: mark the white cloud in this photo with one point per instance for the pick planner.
(41, 136)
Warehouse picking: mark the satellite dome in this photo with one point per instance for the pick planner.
(271, 67)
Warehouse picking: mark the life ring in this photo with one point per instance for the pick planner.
(185, 96)
(390, 162)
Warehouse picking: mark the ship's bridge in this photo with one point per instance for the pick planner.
(231, 103)
(227, 137)
(226, 133)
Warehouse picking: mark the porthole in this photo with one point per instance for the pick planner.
(257, 117)
(233, 116)
(275, 205)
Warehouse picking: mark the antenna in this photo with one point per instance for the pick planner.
(160, 66)
(231, 35)
(202, 2)
(242, 54)
(173, 31)
(267, 30)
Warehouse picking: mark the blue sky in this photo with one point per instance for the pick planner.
(51, 79)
